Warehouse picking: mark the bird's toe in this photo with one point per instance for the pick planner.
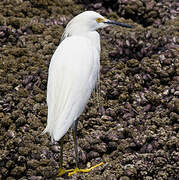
(76, 170)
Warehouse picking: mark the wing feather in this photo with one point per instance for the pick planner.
(72, 76)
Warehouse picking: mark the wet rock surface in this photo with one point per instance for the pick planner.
(133, 129)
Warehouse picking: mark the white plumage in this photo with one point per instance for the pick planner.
(72, 76)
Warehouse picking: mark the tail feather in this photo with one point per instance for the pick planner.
(46, 130)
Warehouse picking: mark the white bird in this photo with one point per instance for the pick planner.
(73, 72)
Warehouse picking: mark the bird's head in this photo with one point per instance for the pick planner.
(89, 21)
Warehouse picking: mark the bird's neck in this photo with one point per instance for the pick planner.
(94, 37)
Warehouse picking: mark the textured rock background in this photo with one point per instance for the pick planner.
(134, 127)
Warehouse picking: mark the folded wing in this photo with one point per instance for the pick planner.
(72, 76)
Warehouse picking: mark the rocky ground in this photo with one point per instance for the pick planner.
(132, 128)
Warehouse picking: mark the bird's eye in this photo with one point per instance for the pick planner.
(99, 20)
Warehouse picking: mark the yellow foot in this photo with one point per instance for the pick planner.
(61, 171)
(76, 170)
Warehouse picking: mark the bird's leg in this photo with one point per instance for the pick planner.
(76, 143)
(61, 152)
(62, 171)
(76, 170)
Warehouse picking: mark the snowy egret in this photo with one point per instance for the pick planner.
(73, 73)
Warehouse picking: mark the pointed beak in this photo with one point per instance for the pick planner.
(118, 24)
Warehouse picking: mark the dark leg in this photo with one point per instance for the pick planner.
(76, 143)
(61, 153)
(61, 170)
(76, 170)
